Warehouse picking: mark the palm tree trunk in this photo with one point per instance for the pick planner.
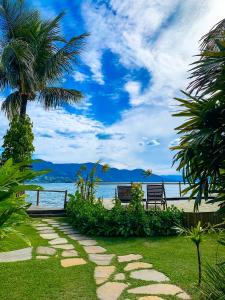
(23, 107)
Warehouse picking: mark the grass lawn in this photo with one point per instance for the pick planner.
(46, 279)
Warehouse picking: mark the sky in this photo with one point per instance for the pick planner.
(134, 63)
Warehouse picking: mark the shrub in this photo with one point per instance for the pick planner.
(12, 199)
(18, 141)
(93, 219)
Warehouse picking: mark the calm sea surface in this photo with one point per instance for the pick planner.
(49, 199)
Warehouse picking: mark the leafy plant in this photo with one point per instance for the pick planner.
(12, 198)
(86, 183)
(94, 219)
(213, 283)
(18, 141)
(34, 56)
(195, 234)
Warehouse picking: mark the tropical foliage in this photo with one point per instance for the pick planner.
(12, 198)
(87, 181)
(18, 141)
(195, 234)
(201, 151)
(91, 217)
(33, 57)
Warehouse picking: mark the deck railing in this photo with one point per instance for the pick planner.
(65, 192)
(173, 190)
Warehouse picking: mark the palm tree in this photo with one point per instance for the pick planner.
(33, 56)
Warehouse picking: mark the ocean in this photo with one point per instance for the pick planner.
(51, 199)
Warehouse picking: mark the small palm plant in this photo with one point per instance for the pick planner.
(195, 234)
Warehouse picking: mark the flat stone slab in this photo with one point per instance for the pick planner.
(87, 242)
(40, 225)
(101, 259)
(150, 298)
(77, 237)
(46, 231)
(119, 276)
(58, 241)
(49, 236)
(45, 250)
(69, 231)
(64, 246)
(129, 257)
(42, 257)
(69, 253)
(137, 265)
(44, 228)
(70, 262)
(111, 290)
(149, 275)
(184, 296)
(157, 289)
(102, 273)
(16, 255)
(94, 249)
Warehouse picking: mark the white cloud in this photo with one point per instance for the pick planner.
(78, 76)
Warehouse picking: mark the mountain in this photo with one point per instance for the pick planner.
(67, 173)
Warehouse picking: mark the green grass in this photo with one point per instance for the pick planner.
(46, 280)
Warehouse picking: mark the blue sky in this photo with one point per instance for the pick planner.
(134, 63)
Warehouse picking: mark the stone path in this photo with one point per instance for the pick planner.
(111, 284)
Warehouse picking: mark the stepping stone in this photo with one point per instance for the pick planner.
(94, 249)
(47, 231)
(184, 296)
(69, 262)
(119, 276)
(102, 273)
(77, 237)
(149, 275)
(137, 265)
(16, 255)
(157, 289)
(40, 225)
(44, 228)
(64, 247)
(42, 257)
(69, 253)
(49, 236)
(111, 290)
(129, 257)
(58, 241)
(101, 259)
(88, 242)
(69, 231)
(45, 250)
(150, 298)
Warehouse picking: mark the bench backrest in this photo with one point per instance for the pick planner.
(155, 192)
(124, 193)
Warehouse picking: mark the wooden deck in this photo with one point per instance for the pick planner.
(37, 212)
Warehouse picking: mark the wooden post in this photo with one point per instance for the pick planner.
(180, 188)
(65, 199)
(38, 197)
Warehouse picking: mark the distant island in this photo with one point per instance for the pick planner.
(67, 173)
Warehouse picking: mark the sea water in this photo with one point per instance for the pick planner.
(51, 199)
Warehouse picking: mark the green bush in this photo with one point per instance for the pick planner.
(93, 219)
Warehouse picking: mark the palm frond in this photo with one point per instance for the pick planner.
(54, 65)
(11, 105)
(53, 97)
